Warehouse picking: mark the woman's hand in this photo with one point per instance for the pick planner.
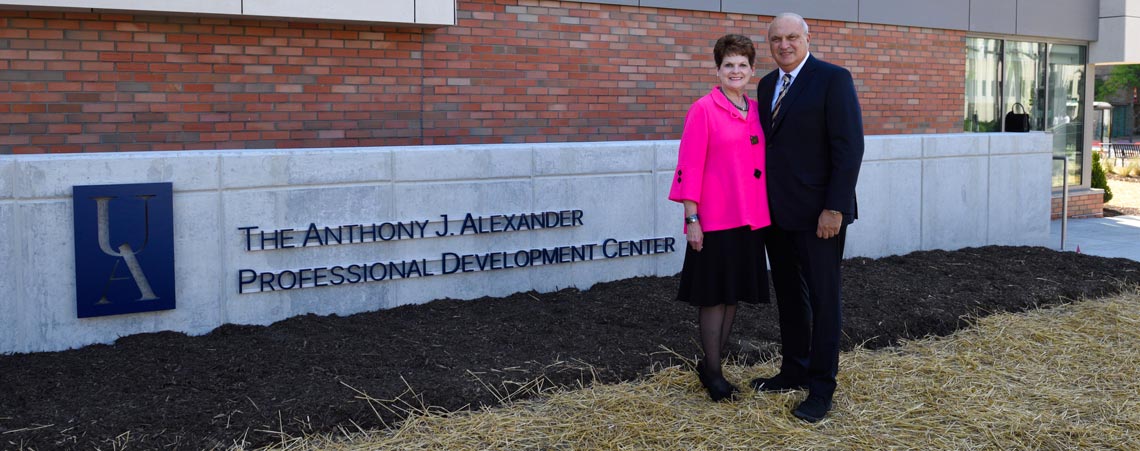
(693, 231)
(695, 236)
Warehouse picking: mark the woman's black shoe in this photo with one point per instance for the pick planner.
(718, 387)
(701, 374)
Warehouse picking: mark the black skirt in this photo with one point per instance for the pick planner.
(729, 269)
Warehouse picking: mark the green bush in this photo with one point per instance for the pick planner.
(1099, 179)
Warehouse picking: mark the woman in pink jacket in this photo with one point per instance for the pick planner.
(720, 179)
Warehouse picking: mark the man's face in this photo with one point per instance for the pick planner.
(788, 42)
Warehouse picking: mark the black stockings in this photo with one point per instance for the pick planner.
(715, 325)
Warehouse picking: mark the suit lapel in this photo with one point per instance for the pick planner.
(799, 85)
(764, 99)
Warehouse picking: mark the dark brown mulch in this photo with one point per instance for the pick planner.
(243, 384)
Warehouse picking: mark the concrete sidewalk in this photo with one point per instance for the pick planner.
(1118, 236)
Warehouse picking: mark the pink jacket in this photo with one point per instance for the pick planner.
(720, 165)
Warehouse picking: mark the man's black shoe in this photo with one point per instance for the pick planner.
(813, 409)
(775, 384)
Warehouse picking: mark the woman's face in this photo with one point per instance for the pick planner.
(735, 72)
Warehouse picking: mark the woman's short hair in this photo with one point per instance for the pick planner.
(732, 45)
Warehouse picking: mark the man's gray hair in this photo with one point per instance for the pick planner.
(795, 16)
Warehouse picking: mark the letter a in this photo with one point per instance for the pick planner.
(124, 250)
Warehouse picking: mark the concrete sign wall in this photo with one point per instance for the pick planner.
(265, 235)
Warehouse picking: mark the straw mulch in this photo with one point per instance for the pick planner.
(1054, 379)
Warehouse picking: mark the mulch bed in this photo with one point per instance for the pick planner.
(255, 385)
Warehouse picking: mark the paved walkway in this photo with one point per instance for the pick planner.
(1118, 236)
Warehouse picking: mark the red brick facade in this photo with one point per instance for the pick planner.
(1084, 204)
(509, 71)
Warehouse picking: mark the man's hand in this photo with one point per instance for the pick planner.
(829, 223)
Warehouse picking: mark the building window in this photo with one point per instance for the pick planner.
(1064, 114)
(1045, 79)
(1023, 79)
(983, 58)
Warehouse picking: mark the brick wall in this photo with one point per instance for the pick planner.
(509, 71)
(1081, 204)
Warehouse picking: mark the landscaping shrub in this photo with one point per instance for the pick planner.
(1099, 178)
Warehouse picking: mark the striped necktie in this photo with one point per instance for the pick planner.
(783, 89)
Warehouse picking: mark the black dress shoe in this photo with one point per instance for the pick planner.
(718, 387)
(721, 389)
(776, 384)
(701, 374)
(813, 409)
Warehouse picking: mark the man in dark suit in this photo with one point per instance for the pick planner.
(814, 132)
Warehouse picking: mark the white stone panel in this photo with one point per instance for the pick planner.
(621, 207)
(614, 206)
(593, 158)
(666, 155)
(1020, 143)
(276, 210)
(14, 321)
(428, 201)
(462, 163)
(52, 176)
(890, 210)
(1016, 205)
(915, 192)
(955, 145)
(199, 277)
(50, 283)
(297, 208)
(954, 202)
(669, 222)
(894, 147)
(304, 167)
(258, 308)
(668, 213)
(47, 270)
(8, 170)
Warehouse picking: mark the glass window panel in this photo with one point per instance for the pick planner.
(983, 58)
(1023, 81)
(1065, 108)
(1048, 80)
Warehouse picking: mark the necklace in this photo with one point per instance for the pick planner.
(738, 107)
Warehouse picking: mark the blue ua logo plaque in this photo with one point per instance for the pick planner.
(124, 248)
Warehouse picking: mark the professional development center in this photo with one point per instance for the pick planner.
(179, 165)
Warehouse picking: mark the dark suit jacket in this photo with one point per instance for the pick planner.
(815, 147)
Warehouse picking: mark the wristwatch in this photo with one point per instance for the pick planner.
(834, 212)
(692, 218)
